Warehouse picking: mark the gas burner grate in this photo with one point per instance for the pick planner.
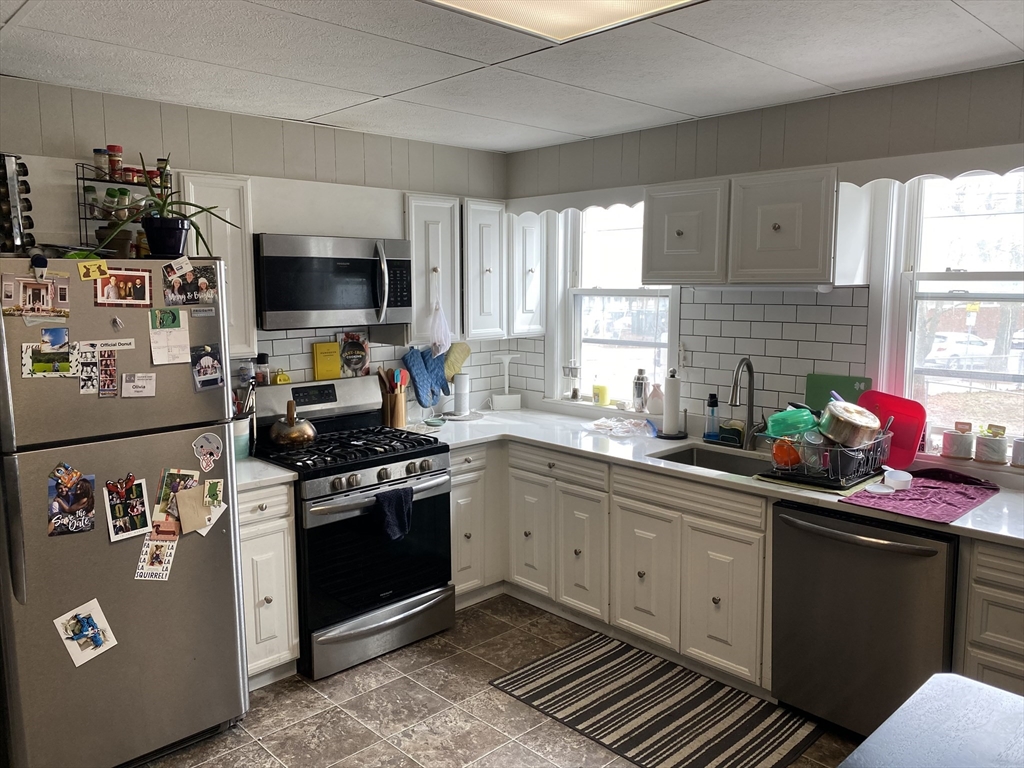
(333, 449)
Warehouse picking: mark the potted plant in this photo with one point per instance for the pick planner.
(166, 219)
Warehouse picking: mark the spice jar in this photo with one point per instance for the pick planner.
(115, 164)
(101, 165)
(92, 203)
(130, 174)
(109, 203)
(262, 369)
(154, 177)
(124, 198)
(141, 244)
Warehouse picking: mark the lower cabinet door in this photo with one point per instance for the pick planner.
(995, 669)
(468, 536)
(268, 594)
(645, 571)
(722, 603)
(581, 549)
(531, 505)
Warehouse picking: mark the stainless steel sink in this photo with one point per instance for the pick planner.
(724, 461)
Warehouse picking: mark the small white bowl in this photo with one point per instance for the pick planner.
(880, 489)
(897, 479)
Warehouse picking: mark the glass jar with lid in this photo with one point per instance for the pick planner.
(115, 163)
(124, 199)
(101, 166)
(109, 203)
(92, 203)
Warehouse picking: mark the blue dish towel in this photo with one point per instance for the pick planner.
(396, 512)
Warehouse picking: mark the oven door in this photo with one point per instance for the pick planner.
(348, 564)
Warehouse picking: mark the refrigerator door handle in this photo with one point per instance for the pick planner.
(860, 541)
(11, 509)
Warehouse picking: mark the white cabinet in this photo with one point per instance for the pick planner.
(581, 549)
(432, 226)
(531, 505)
(722, 589)
(484, 269)
(469, 536)
(269, 593)
(528, 238)
(645, 571)
(995, 617)
(685, 228)
(231, 196)
(782, 227)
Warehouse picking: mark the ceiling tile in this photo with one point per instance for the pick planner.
(655, 65)
(505, 95)
(850, 44)
(1004, 16)
(423, 123)
(8, 8)
(59, 59)
(239, 34)
(420, 24)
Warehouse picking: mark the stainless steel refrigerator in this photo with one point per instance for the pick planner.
(173, 664)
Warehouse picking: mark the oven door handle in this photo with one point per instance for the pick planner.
(355, 506)
(341, 635)
(860, 541)
(384, 280)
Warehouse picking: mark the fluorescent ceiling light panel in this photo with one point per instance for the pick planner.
(561, 20)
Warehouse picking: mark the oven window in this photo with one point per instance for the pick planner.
(307, 284)
(352, 567)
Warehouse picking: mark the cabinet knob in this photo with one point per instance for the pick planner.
(641, 574)
(716, 600)
(551, 465)
(268, 599)
(487, 271)
(776, 227)
(577, 552)
(530, 271)
(262, 506)
(679, 233)
(527, 534)
(436, 270)
(468, 535)
(468, 459)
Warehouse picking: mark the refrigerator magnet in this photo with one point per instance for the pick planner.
(176, 268)
(71, 506)
(108, 373)
(171, 483)
(213, 493)
(89, 370)
(138, 385)
(64, 363)
(125, 288)
(208, 447)
(32, 297)
(93, 270)
(155, 560)
(196, 285)
(85, 632)
(128, 510)
(207, 369)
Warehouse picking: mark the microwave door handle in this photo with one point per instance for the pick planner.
(384, 280)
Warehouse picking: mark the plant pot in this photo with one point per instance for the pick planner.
(166, 237)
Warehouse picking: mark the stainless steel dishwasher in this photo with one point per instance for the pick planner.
(862, 613)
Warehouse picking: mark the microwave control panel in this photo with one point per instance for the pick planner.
(399, 284)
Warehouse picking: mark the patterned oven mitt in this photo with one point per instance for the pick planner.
(427, 374)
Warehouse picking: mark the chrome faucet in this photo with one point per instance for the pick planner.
(749, 439)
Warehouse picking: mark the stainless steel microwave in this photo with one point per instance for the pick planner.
(308, 282)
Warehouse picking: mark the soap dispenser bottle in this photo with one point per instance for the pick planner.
(711, 426)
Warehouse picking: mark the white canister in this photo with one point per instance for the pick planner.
(240, 437)
(957, 445)
(990, 450)
(1017, 457)
(461, 391)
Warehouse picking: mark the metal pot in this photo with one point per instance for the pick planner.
(848, 424)
(292, 432)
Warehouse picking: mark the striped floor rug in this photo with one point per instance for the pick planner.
(655, 713)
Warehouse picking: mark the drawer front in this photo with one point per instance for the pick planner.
(995, 564)
(690, 497)
(997, 619)
(994, 669)
(266, 503)
(469, 459)
(561, 466)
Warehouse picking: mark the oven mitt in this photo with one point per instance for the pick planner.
(458, 354)
(427, 374)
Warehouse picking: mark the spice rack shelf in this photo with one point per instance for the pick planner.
(85, 176)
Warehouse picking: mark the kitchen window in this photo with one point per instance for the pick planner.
(617, 326)
(963, 300)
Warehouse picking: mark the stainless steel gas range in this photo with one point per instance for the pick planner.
(362, 594)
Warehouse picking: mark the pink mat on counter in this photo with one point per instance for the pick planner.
(938, 495)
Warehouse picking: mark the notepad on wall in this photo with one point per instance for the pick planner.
(326, 360)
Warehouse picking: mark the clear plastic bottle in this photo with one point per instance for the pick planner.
(711, 426)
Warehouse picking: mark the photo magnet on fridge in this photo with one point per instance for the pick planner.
(208, 447)
(71, 506)
(28, 296)
(207, 370)
(85, 632)
(38, 364)
(128, 511)
(172, 482)
(125, 288)
(108, 373)
(177, 268)
(53, 339)
(88, 371)
(197, 285)
(155, 560)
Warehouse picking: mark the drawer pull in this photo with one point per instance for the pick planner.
(468, 535)
(527, 534)
(679, 233)
(641, 574)
(262, 506)
(577, 552)
(468, 459)
(551, 465)
(776, 227)
(716, 600)
(268, 599)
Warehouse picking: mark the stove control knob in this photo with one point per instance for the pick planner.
(384, 473)
(338, 484)
(353, 481)
(411, 468)
(426, 465)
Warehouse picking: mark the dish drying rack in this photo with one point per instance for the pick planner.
(831, 467)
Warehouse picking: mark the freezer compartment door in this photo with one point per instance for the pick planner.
(861, 615)
(178, 666)
(46, 409)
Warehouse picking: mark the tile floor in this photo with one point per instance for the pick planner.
(428, 705)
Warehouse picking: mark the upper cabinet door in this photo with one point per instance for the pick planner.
(684, 233)
(782, 227)
(432, 226)
(231, 196)
(484, 268)
(527, 243)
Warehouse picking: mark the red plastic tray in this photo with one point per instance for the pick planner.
(909, 417)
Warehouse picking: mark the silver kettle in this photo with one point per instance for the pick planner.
(291, 431)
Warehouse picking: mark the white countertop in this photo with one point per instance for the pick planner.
(253, 473)
(999, 519)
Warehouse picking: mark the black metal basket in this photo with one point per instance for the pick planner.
(832, 467)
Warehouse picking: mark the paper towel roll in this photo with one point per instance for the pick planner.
(462, 386)
(670, 426)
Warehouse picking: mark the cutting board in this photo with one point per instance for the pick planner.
(819, 385)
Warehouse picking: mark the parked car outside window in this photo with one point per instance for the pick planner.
(957, 350)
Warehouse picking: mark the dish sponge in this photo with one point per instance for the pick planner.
(458, 354)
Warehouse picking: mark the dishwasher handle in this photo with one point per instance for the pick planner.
(896, 547)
